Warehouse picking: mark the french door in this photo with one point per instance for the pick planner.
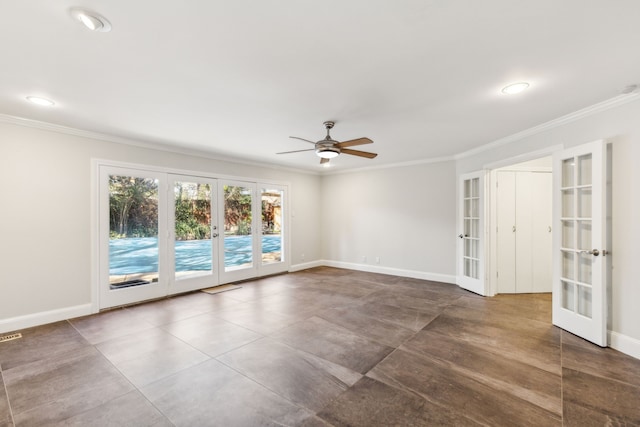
(579, 241)
(133, 228)
(471, 237)
(240, 238)
(163, 233)
(252, 240)
(193, 229)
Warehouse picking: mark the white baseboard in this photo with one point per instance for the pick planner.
(21, 322)
(436, 277)
(624, 344)
(306, 265)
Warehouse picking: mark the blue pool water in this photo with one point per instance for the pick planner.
(140, 255)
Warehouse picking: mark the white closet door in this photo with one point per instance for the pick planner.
(523, 235)
(525, 199)
(541, 232)
(506, 236)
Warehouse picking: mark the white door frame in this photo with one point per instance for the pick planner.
(490, 218)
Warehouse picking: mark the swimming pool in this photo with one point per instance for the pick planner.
(140, 255)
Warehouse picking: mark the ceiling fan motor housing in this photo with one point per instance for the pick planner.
(327, 150)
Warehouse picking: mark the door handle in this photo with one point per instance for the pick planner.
(593, 252)
(214, 235)
(462, 236)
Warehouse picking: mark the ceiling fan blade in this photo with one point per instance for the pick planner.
(323, 161)
(302, 139)
(354, 142)
(296, 151)
(358, 153)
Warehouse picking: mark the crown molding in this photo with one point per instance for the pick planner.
(391, 165)
(36, 124)
(568, 118)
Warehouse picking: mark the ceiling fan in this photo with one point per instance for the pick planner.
(329, 148)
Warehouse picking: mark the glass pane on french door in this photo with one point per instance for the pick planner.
(238, 227)
(576, 243)
(471, 218)
(133, 231)
(193, 247)
(272, 221)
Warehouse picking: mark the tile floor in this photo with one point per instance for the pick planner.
(321, 347)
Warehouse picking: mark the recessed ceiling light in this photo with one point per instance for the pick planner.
(90, 19)
(514, 88)
(44, 102)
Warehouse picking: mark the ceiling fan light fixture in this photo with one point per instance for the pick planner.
(91, 20)
(327, 152)
(514, 88)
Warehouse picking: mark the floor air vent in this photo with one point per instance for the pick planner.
(10, 337)
(129, 283)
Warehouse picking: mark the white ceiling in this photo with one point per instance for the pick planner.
(236, 78)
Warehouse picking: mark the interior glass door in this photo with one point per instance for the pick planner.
(194, 229)
(132, 267)
(579, 280)
(470, 249)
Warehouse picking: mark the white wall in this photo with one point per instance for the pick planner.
(620, 126)
(46, 214)
(405, 216)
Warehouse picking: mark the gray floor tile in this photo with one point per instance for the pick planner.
(353, 319)
(611, 398)
(581, 355)
(410, 318)
(519, 379)
(334, 343)
(372, 403)
(263, 322)
(63, 386)
(460, 393)
(211, 394)
(210, 334)
(5, 412)
(132, 409)
(40, 343)
(539, 346)
(147, 356)
(110, 324)
(300, 377)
